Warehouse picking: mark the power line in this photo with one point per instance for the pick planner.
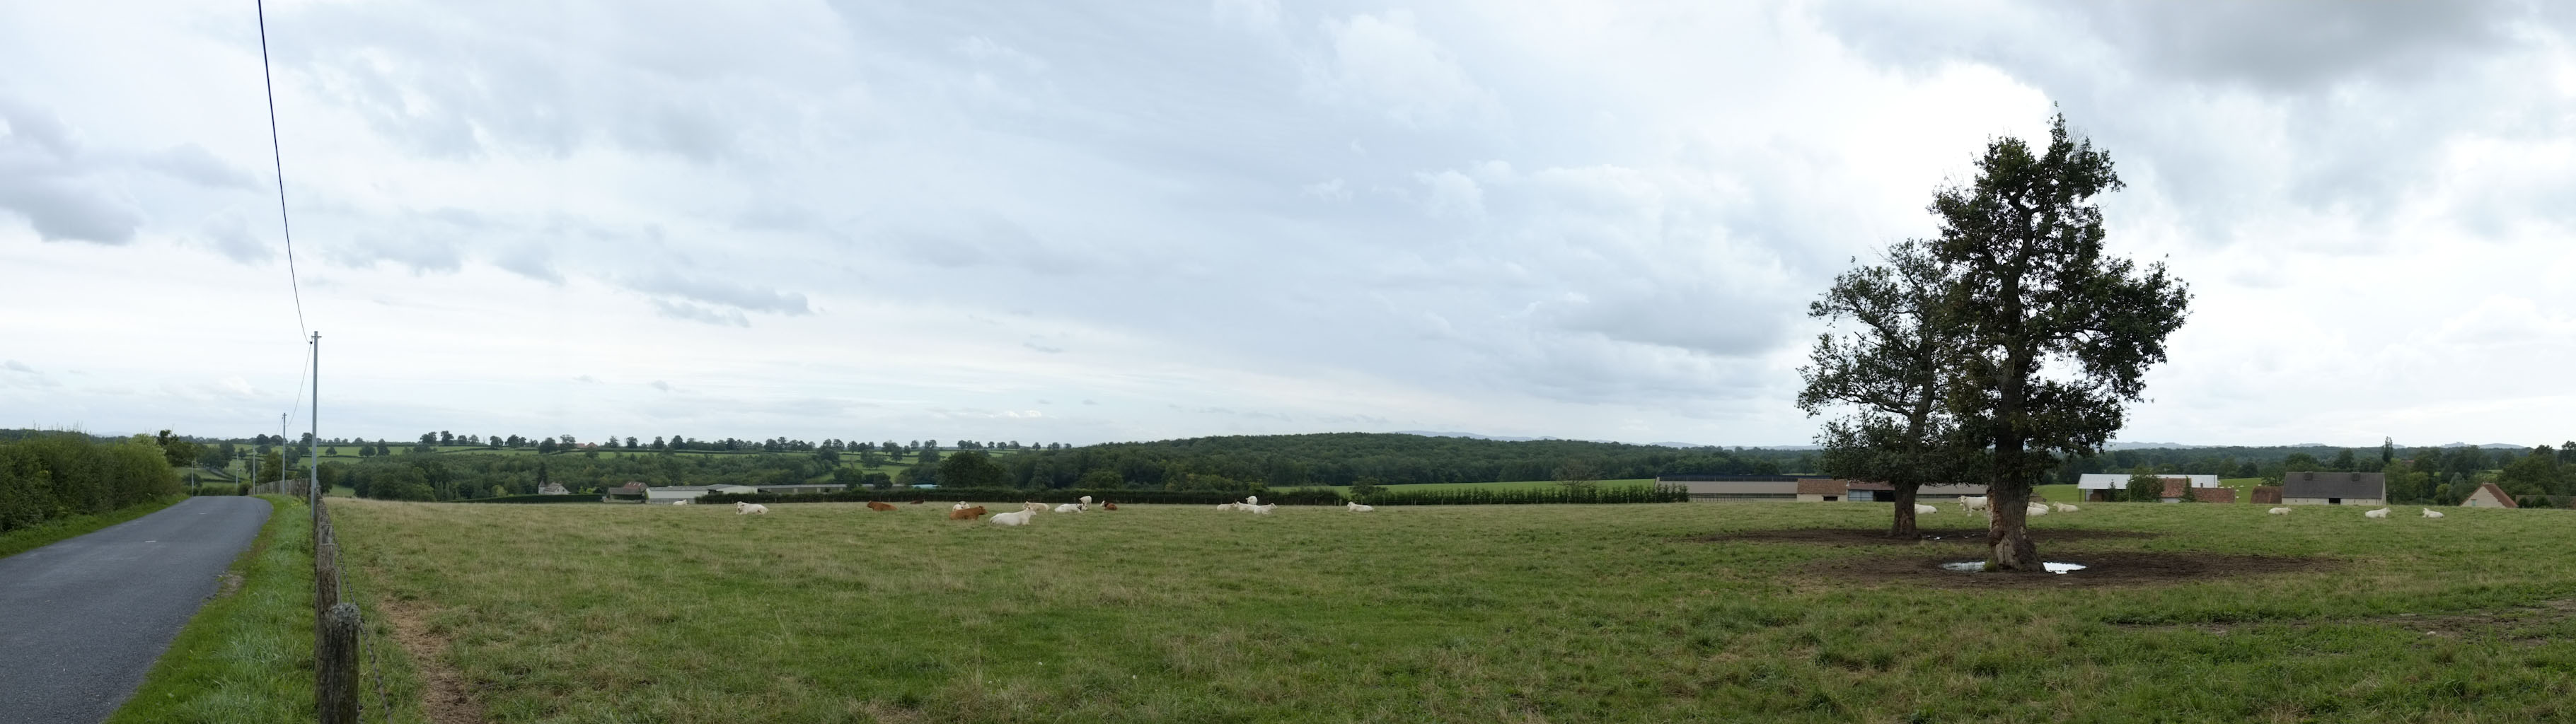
(278, 161)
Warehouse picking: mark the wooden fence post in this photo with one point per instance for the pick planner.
(335, 666)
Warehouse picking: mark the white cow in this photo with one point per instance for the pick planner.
(2035, 509)
(1356, 507)
(2064, 508)
(749, 508)
(2431, 513)
(1017, 517)
(2279, 511)
(2380, 513)
(1921, 509)
(1970, 503)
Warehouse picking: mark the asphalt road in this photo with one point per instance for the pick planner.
(81, 620)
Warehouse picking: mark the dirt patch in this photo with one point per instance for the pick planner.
(443, 696)
(1879, 536)
(226, 584)
(2118, 568)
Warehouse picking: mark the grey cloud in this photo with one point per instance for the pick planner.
(17, 366)
(421, 251)
(738, 296)
(229, 234)
(586, 379)
(192, 163)
(1042, 348)
(697, 313)
(663, 386)
(45, 178)
(531, 261)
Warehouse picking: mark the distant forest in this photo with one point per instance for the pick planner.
(2427, 474)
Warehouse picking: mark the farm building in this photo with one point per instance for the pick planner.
(629, 493)
(2314, 488)
(2101, 487)
(1822, 490)
(673, 494)
(2267, 495)
(732, 489)
(2489, 496)
(1735, 487)
(1864, 491)
(2176, 488)
(553, 488)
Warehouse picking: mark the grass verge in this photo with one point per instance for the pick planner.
(47, 533)
(247, 656)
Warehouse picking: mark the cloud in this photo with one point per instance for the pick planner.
(17, 366)
(700, 313)
(586, 379)
(744, 297)
(1385, 64)
(1333, 190)
(192, 163)
(1452, 195)
(228, 233)
(663, 386)
(59, 190)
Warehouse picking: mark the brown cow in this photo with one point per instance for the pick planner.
(1108, 506)
(874, 505)
(974, 513)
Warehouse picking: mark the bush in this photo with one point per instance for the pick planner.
(65, 474)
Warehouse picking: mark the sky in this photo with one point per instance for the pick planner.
(1088, 222)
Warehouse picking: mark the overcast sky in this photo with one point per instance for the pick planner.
(1047, 221)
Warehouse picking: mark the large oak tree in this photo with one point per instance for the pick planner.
(2055, 335)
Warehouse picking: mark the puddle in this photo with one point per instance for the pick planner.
(1980, 567)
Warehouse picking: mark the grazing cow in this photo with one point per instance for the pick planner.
(873, 505)
(1356, 507)
(2431, 513)
(966, 513)
(2380, 513)
(1014, 518)
(749, 508)
(1108, 506)
(2279, 511)
(1970, 503)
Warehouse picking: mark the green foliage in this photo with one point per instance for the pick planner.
(1287, 461)
(2145, 487)
(45, 477)
(1890, 358)
(971, 469)
(1533, 496)
(1365, 487)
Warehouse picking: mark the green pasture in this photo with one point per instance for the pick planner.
(1600, 613)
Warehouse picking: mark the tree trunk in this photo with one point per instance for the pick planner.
(1904, 527)
(2008, 524)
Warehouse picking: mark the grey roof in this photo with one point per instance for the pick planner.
(2306, 484)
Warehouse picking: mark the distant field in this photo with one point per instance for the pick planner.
(1609, 613)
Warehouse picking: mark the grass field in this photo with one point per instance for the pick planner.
(831, 612)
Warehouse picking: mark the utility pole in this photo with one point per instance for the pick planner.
(315, 482)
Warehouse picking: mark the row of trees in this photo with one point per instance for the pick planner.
(50, 476)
